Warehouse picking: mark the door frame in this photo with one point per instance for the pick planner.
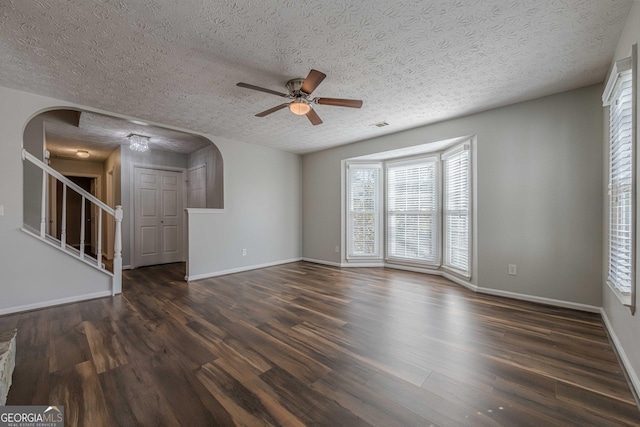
(132, 203)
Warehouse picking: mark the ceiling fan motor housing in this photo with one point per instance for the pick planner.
(294, 86)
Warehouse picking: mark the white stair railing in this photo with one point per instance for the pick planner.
(48, 171)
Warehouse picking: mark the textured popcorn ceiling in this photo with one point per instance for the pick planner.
(100, 135)
(412, 62)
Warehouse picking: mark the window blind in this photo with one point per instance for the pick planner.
(457, 209)
(363, 200)
(412, 207)
(621, 173)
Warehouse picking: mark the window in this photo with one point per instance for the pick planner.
(417, 213)
(412, 211)
(363, 224)
(457, 209)
(619, 96)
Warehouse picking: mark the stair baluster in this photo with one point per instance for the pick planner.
(62, 243)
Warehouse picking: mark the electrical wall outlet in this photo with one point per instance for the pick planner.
(244, 252)
(513, 270)
(1, 210)
(337, 249)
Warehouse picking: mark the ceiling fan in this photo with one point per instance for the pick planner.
(301, 99)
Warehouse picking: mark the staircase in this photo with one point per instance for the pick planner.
(104, 213)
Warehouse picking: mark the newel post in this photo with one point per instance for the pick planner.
(43, 206)
(117, 253)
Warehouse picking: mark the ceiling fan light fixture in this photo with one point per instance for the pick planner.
(299, 108)
(138, 142)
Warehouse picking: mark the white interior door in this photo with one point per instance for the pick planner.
(157, 216)
(198, 187)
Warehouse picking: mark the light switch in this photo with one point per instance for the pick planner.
(1, 210)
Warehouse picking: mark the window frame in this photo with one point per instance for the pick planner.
(452, 151)
(408, 161)
(628, 299)
(382, 160)
(378, 212)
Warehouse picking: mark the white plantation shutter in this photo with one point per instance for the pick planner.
(619, 95)
(412, 211)
(457, 209)
(363, 188)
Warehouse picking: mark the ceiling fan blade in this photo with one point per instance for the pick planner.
(336, 102)
(312, 81)
(272, 110)
(313, 117)
(261, 89)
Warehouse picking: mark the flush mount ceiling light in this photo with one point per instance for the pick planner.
(138, 142)
(83, 154)
(299, 108)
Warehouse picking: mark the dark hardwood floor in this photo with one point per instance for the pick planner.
(305, 344)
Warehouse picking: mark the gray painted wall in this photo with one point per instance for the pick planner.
(625, 326)
(79, 167)
(263, 214)
(32, 272)
(215, 189)
(539, 193)
(264, 218)
(33, 142)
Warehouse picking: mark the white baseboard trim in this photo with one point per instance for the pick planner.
(445, 274)
(541, 300)
(126, 267)
(626, 362)
(61, 301)
(319, 261)
(441, 273)
(414, 269)
(362, 264)
(470, 286)
(239, 269)
(460, 281)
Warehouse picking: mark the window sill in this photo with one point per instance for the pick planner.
(363, 258)
(623, 297)
(401, 261)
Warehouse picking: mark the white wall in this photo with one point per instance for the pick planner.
(624, 326)
(539, 194)
(262, 213)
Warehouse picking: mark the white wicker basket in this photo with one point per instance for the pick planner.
(7, 363)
